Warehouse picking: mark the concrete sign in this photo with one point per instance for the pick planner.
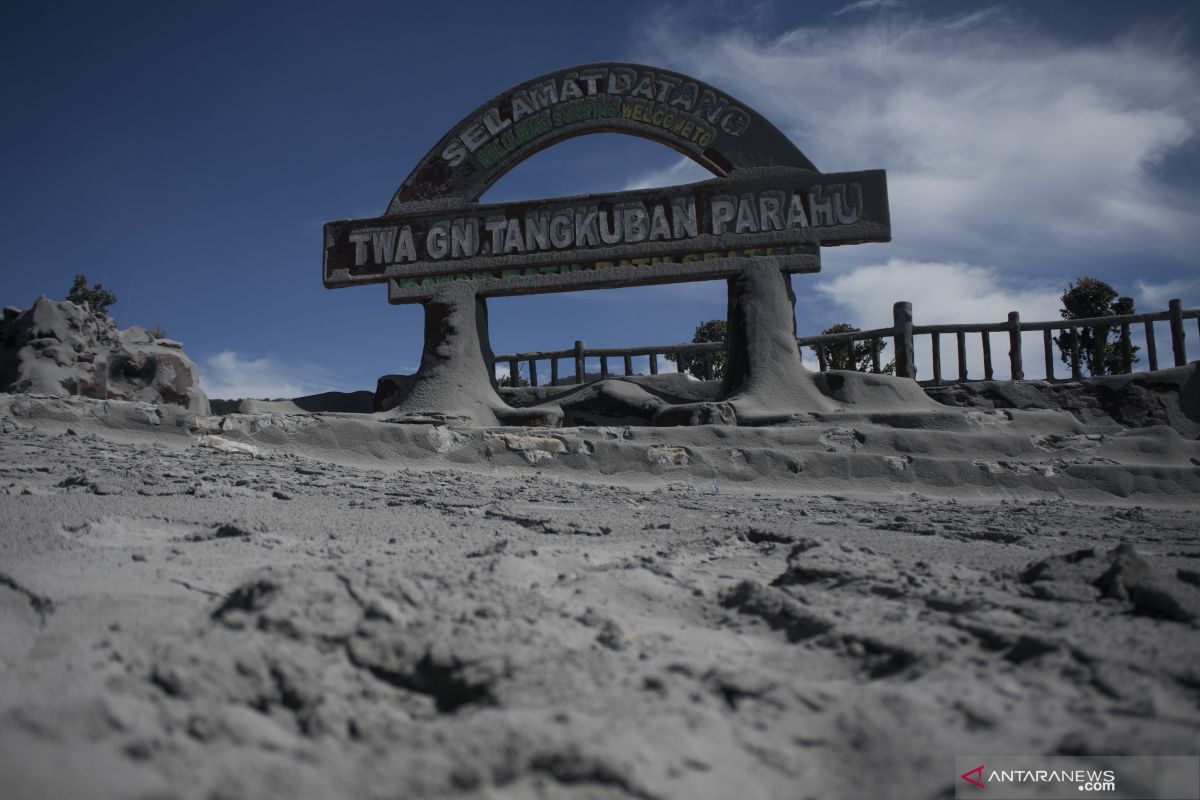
(766, 214)
(667, 234)
(768, 201)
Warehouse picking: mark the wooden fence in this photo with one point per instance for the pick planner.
(903, 333)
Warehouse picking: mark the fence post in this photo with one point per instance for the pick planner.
(1126, 350)
(579, 345)
(1048, 348)
(628, 364)
(902, 334)
(1076, 369)
(937, 359)
(514, 372)
(1099, 349)
(961, 340)
(532, 372)
(1016, 362)
(654, 363)
(1175, 308)
(986, 341)
(1151, 345)
(554, 372)
(603, 366)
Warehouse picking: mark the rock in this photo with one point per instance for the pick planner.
(1150, 591)
(668, 456)
(137, 335)
(696, 414)
(1168, 397)
(228, 446)
(778, 609)
(60, 348)
(1119, 574)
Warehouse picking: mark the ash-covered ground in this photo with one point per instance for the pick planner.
(190, 614)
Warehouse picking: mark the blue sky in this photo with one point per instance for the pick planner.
(187, 155)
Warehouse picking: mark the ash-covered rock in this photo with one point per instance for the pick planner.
(1168, 397)
(1119, 574)
(60, 348)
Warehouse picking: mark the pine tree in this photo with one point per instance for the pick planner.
(97, 297)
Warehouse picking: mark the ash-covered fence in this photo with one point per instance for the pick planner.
(903, 334)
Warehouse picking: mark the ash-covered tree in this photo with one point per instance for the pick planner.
(850, 355)
(1090, 297)
(510, 381)
(715, 330)
(97, 297)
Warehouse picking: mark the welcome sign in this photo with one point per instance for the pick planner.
(493, 243)
(767, 201)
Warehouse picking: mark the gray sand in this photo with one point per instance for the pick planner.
(316, 606)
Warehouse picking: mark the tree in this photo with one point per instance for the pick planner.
(850, 355)
(1090, 297)
(715, 330)
(510, 380)
(97, 297)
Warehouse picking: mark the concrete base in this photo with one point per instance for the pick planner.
(455, 381)
(765, 381)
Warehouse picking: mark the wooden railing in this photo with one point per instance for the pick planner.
(903, 332)
(580, 352)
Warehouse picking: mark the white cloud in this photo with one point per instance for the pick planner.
(945, 293)
(1155, 296)
(866, 5)
(685, 170)
(233, 376)
(1000, 144)
(940, 293)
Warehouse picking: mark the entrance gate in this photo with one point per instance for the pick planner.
(764, 216)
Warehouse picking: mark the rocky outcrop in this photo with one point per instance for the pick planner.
(60, 348)
(1168, 397)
